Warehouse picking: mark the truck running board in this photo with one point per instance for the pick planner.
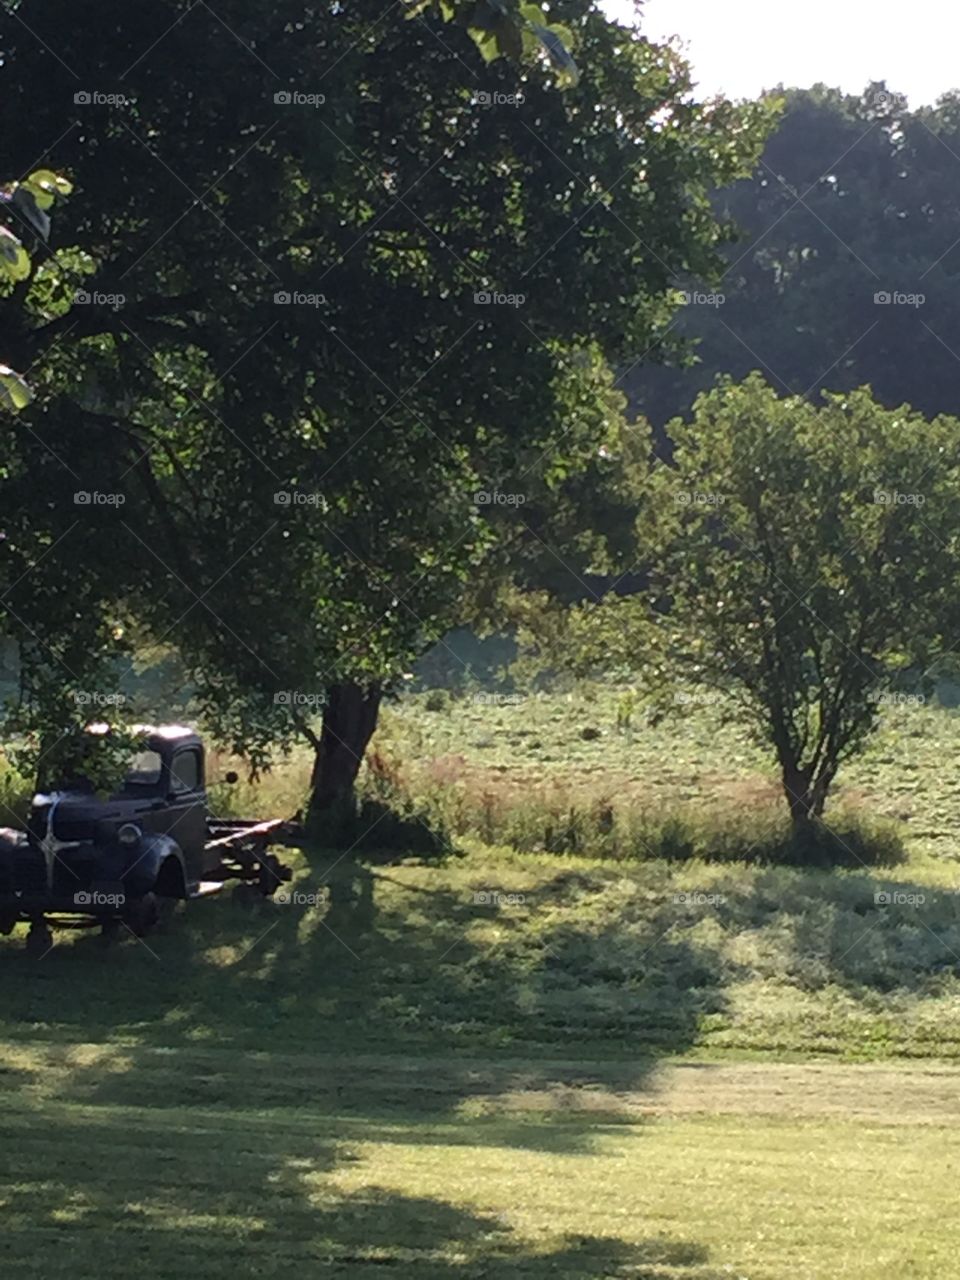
(207, 887)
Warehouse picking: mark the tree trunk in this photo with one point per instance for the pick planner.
(805, 792)
(800, 796)
(820, 788)
(349, 719)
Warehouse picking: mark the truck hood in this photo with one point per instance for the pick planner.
(72, 816)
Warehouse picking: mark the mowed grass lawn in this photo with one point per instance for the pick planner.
(593, 1077)
(201, 1163)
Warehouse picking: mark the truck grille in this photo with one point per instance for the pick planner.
(37, 820)
(24, 872)
(69, 828)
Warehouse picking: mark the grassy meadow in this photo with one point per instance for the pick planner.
(493, 1059)
(516, 761)
(561, 772)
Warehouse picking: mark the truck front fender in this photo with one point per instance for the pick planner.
(147, 862)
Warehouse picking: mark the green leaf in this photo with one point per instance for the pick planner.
(14, 259)
(42, 192)
(486, 42)
(552, 38)
(531, 42)
(14, 392)
(533, 15)
(55, 183)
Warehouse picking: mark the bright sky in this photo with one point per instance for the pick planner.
(739, 47)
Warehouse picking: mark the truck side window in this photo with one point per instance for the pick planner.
(185, 771)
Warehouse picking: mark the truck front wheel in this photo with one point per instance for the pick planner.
(169, 891)
(141, 914)
(39, 939)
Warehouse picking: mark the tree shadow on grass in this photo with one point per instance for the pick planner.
(428, 1001)
(178, 1194)
(404, 1002)
(867, 934)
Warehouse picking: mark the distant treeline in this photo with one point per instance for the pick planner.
(855, 201)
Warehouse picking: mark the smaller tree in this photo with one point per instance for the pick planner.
(805, 559)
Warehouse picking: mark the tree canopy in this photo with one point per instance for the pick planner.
(325, 276)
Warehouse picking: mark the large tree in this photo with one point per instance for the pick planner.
(292, 217)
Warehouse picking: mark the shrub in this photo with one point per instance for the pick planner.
(16, 793)
(854, 842)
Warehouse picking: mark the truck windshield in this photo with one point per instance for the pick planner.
(144, 771)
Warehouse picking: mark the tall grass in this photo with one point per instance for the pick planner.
(415, 795)
(570, 816)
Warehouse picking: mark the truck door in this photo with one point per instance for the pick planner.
(187, 808)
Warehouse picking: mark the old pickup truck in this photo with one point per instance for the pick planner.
(125, 859)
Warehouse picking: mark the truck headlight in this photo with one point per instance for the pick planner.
(129, 835)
